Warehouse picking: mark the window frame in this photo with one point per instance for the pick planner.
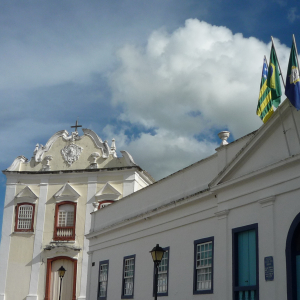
(103, 262)
(69, 238)
(197, 242)
(235, 287)
(17, 208)
(166, 293)
(123, 296)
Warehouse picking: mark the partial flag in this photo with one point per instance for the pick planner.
(292, 88)
(264, 107)
(273, 80)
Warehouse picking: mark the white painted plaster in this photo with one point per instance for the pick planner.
(92, 189)
(38, 239)
(7, 226)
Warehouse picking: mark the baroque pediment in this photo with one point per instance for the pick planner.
(26, 195)
(66, 193)
(108, 192)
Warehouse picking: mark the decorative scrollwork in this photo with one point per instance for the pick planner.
(71, 153)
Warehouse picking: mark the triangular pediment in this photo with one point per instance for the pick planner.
(26, 195)
(67, 192)
(274, 142)
(108, 192)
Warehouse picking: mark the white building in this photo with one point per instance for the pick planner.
(230, 224)
(47, 210)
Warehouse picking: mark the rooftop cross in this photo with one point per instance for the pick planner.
(76, 125)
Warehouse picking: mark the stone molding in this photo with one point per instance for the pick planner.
(16, 163)
(67, 192)
(26, 195)
(97, 141)
(267, 201)
(222, 214)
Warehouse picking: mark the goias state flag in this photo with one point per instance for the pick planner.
(264, 107)
(292, 88)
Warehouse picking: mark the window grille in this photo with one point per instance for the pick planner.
(162, 285)
(25, 216)
(65, 221)
(204, 266)
(103, 275)
(128, 276)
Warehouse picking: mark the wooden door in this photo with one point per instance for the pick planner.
(68, 287)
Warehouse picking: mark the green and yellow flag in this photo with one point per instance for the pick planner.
(264, 108)
(273, 80)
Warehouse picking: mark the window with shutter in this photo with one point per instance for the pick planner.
(203, 266)
(24, 217)
(128, 277)
(245, 263)
(103, 278)
(65, 217)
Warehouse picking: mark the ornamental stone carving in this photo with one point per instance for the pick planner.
(71, 153)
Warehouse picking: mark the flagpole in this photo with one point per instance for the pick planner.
(283, 128)
(294, 41)
(284, 88)
(279, 110)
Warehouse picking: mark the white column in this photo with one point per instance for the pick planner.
(266, 244)
(92, 189)
(7, 226)
(38, 239)
(128, 184)
(221, 250)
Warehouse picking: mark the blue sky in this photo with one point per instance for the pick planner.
(162, 77)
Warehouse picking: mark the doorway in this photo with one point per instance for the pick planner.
(68, 287)
(292, 253)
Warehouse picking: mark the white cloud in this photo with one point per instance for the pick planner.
(163, 153)
(292, 15)
(198, 68)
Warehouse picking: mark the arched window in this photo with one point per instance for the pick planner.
(65, 219)
(24, 217)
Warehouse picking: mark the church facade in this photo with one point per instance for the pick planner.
(230, 225)
(47, 212)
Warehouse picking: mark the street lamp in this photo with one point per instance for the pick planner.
(157, 255)
(61, 273)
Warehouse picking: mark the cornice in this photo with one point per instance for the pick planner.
(149, 213)
(255, 173)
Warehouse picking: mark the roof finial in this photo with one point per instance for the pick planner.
(224, 135)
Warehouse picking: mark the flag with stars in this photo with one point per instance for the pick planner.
(273, 79)
(264, 108)
(292, 88)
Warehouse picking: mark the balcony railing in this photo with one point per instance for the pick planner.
(64, 233)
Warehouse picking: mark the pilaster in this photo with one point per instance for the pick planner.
(38, 239)
(221, 255)
(267, 247)
(92, 190)
(7, 226)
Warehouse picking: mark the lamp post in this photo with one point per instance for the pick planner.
(157, 255)
(61, 273)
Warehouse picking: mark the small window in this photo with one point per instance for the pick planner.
(203, 270)
(24, 217)
(103, 277)
(128, 277)
(65, 217)
(163, 274)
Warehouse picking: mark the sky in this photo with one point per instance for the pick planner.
(162, 77)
